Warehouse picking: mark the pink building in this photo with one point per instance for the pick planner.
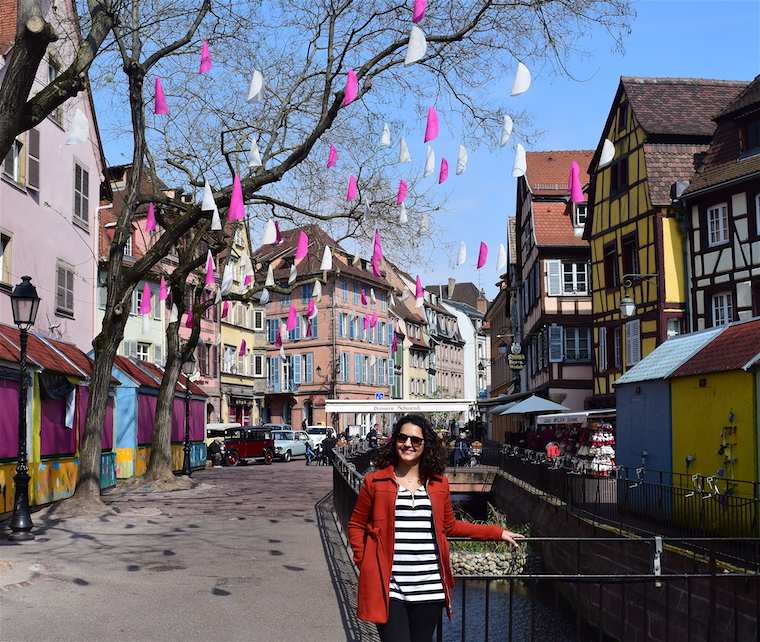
(49, 193)
(335, 355)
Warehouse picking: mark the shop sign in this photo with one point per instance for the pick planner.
(516, 359)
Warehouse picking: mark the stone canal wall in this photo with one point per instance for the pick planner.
(693, 609)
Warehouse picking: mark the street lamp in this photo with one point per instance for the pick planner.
(627, 307)
(24, 304)
(188, 368)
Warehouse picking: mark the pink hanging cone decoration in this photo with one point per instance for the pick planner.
(482, 255)
(160, 108)
(418, 12)
(236, 211)
(394, 343)
(145, 302)
(332, 156)
(247, 280)
(242, 350)
(444, 173)
(278, 234)
(163, 290)
(364, 296)
(366, 322)
(377, 254)
(205, 65)
(292, 318)
(309, 332)
(351, 90)
(278, 337)
(150, 218)
(419, 292)
(189, 319)
(353, 190)
(431, 129)
(311, 308)
(302, 247)
(225, 309)
(574, 183)
(210, 280)
(372, 320)
(403, 190)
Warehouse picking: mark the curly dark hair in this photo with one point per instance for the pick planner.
(433, 461)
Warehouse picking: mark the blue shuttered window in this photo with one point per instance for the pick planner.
(356, 293)
(358, 367)
(273, 377)
(296, 368)
(309, 367)
(307, 291)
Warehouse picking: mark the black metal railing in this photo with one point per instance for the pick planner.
(600, 588)
(639, 498)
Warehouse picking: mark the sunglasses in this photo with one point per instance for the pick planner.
(416, 441)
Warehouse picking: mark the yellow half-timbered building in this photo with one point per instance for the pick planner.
(660, 128)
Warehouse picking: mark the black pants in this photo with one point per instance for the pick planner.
(410, 622)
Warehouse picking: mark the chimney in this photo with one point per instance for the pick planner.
(482, 302)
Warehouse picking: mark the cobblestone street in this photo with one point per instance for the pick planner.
(239, 557)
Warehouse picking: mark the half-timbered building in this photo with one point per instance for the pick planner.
(659, 127)
(553, 264)
(723, 211)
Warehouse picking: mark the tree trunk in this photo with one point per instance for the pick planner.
(160, 463)
(87, 494)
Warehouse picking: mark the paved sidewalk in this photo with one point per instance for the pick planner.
(239, 557)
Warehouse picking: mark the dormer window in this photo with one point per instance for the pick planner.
(580, 211)
(751, 135)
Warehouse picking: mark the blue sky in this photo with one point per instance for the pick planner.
(711, 39)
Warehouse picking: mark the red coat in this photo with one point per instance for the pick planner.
(371, 534)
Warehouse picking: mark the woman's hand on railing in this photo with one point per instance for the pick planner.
(512, 538)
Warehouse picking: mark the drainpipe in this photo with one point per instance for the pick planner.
(683, 223)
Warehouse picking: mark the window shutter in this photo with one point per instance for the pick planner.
(309, 375)
(556, 351)
(315, 327)
(602, 349)
(633, 341)
(554, 277)
(33, 161)
(158, 355)
(358, 367)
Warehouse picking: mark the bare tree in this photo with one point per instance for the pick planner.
(305, 48)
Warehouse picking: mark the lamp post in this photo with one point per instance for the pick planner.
(24, 303)
(188, 368)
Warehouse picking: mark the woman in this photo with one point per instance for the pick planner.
(398, 534)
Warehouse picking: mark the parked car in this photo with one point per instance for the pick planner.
(218, 430)
(289, 443)
(317, 434)
(248, 444)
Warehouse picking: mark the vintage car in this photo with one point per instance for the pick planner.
(289, 443)
(248, 444)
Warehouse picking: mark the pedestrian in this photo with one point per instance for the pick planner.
(215, 451)
(372, 437)
(405, 574)
(304, 425)
(328, 443)
(310, 454)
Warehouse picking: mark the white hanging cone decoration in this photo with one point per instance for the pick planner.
(264, 297)
(218, 297)
(462, 159)
(326, 259)
(385, 138)
(209, 205)
(372, 361)
(270, 233)
(270, 277)
(227, 278)
(254, 156)
(462, 256)
(607, 155)
(521, 83)
(372, 296)
(293, 274)
(417, 47)
(506, 130)
(284, 331)
(429, 161)
(174, 314)
(521, 164)
(403, 152)
(314, 312)
(282, 353)
(501, 262)
(403, 217)
(317, 292)
(356, 260)
(392, 300)
(79, 131)
(255, 90)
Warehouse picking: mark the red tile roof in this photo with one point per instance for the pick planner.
(666, 164)
(553, 225)
(733, 349)
(679, 106)
(48, 354)
(150, 375)
(745, 98)
(548, 172)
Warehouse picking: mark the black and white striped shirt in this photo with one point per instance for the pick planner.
(415, 575)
